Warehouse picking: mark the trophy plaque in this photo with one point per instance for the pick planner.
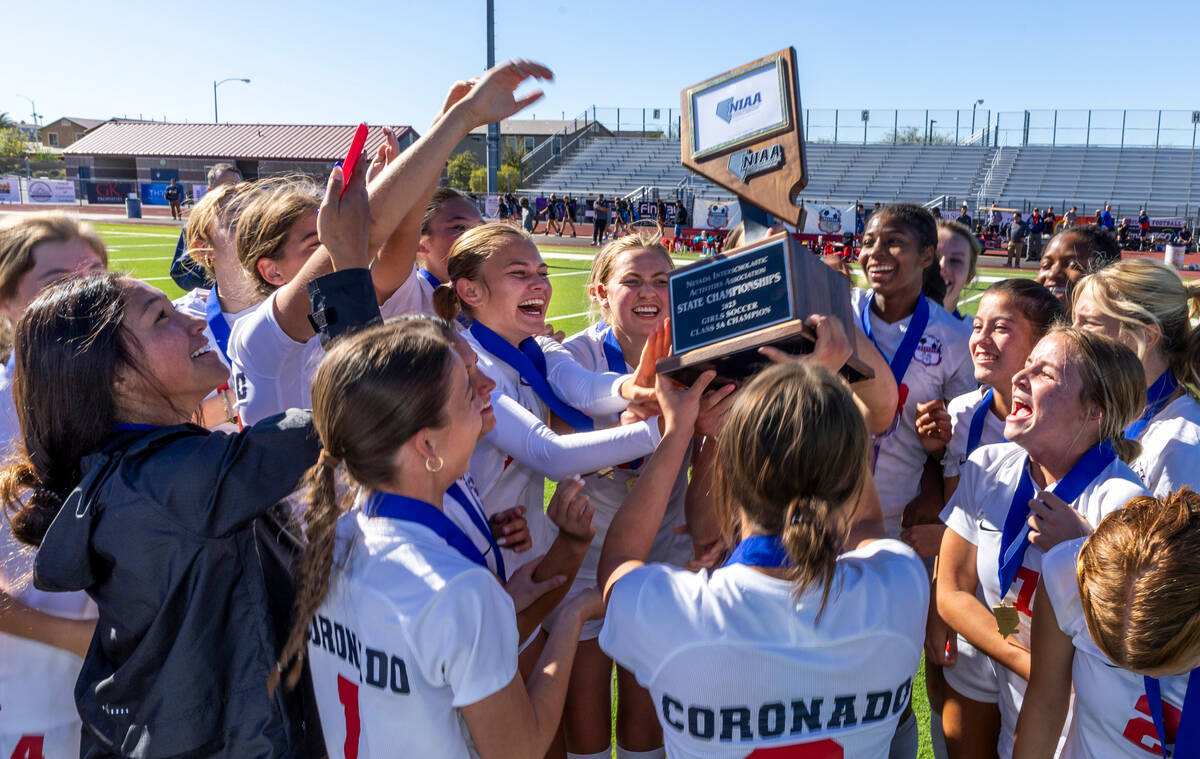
(742, 131)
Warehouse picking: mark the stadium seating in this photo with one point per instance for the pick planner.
(1162, 180)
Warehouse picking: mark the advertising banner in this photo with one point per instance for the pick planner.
(714, 214)
(827, 220)
(10, 189)
(111, 193)
(51, 191)
(154, 194)
(491, 206)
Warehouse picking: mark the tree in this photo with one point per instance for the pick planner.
(513, 155)
(508, 179)
(461, 168)
(12, 143)
(6, 121)
(912, 135)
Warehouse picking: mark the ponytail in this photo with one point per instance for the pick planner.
(812, 543)
(312, 573)
(446, 303)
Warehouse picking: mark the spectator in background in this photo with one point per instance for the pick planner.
(1050, 220)
(1071, 216)
(600, 206)
(995, 220)
(1033, 248)
(681, 218)
(964, 218)
(569, 214)
(185, 272)
(528, 217)
(552, 224)
(860, 221)
(1184, 238)
(1123, 234)
(1106, 219)
(174, 196)
(1017, 232)
(1143, 224)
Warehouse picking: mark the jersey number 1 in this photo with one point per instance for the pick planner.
(826, 748)
(348, 695)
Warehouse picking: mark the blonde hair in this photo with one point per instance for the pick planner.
(265, 221)
(467, 256)
(602, 266)
(972, 241)
(371, 393)
(1141, 293)
(1113, 380)
(792, 457)
(1139, 583)
(216, 207)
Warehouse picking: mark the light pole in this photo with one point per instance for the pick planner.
(931, 123)
(493, 130)
(217, 84)
(33, 107)
(974, 105)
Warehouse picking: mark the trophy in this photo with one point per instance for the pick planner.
(742, 131)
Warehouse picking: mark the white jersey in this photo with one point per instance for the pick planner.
(607, 491)
(37, 681)
(458, 513)
(941, 368)
(962, 410)
(1112, 713)
(1170, 457)
(735, 662)
(409, 633)
(977, 512)
(272, 372)
(511, 463)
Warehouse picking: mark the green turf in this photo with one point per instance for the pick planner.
(145, 251)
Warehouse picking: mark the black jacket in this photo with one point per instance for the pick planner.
(180, 536)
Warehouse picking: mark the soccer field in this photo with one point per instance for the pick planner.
(146, 250)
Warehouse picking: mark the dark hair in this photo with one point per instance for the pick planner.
(441, 196)
(371, 393)
(1101, 246)
(915, 219)
(72, 332)
(792, 457)
(932, 284)
(1037, 304)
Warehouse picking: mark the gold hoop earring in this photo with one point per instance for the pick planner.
(432, 468)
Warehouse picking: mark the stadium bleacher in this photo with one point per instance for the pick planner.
(1163, 180)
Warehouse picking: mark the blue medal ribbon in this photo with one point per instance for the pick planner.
(616, 363)
(912, 336)
(760, 551)
(975, 431)
(957, 315)
(432, 280)
(411, 510)
(1156, 399)
(217, 323)
(530, 363)
(1187, 737)
(1014, 540)
(475, 512)
(134, 427)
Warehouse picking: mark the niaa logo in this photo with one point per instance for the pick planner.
(732, 108)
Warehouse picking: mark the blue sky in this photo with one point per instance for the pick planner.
(349, 61)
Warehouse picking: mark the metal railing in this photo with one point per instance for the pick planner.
(554, 148)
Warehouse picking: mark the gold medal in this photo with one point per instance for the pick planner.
(630, 482)
(1007, 619)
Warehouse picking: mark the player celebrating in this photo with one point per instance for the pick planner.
(1061, 473)
(792, 645)
(1129, 595)
(1146, 306)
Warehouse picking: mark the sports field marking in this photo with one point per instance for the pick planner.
(118, 259)
(108, 233)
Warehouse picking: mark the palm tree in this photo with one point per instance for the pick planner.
(6, 121)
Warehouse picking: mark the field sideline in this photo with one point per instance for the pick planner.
(145, 251)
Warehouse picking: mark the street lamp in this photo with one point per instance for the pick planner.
(217, 84)
(974, 105)
(931, 123)
(33, 107)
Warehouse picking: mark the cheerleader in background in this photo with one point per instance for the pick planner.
(807, 640)
(1063, 471)
(1117, 622)
(1146, 306)
(1013, 315)
(42, 635)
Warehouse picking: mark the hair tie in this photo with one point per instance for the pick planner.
(328, 460)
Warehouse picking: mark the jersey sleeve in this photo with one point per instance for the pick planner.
(466, 638)
(962, 512)
(959, 410)
(593, 393)
(642, 618)
(407, 299)
(902, 573)
(1062, 590)
(527, 439)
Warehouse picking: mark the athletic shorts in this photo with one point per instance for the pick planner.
(60, 742)
(974, 674)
